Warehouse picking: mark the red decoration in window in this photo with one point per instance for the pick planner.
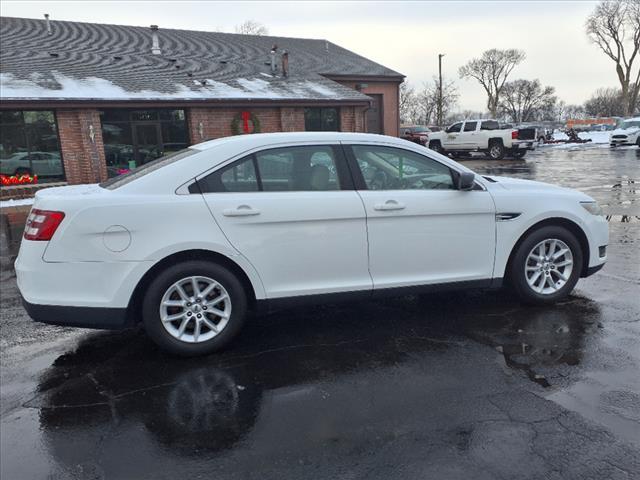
(25, 179)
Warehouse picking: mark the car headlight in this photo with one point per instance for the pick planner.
(592, 207)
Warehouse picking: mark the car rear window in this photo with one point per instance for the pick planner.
(142, 170)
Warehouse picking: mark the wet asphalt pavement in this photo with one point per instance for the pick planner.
(446, 386)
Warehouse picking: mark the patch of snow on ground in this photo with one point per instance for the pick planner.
(596, 137)
(16, 203)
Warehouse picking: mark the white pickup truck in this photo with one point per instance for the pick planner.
(483, 136)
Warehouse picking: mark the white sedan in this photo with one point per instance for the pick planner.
(627, 133)
(190, 243)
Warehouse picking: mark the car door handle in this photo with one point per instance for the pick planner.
(389, 205)
(241, 211)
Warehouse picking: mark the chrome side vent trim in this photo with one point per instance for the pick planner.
(502, 217)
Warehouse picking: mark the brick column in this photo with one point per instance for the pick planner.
(360, 120)
(292, 119)
(81, 145)
(347, 119)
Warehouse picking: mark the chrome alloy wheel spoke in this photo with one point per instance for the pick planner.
(548, 266)
(195, 309)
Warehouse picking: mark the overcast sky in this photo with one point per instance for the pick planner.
(405, 36)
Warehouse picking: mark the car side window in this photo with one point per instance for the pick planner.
(455, 128)
(308, 168)
(470, 126)
(240, 176)
(388, 168)
(305, 168)
(489, 125)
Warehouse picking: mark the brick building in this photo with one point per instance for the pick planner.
(82, 102)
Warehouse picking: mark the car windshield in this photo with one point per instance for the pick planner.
(149, 167)
(630, 124)
(420, 130)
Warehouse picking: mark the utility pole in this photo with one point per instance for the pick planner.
(440, 55)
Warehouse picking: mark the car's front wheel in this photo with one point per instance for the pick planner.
(194, 308)
(546, 265)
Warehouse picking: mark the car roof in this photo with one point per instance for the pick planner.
(265, 139)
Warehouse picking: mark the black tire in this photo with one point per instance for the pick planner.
(156, 290)
(518, 154)
(437, 147)
(496, 150)
(638, 141)
(516, 270)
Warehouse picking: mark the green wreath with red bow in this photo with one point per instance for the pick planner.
(243, 122)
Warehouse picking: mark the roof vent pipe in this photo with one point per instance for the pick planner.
(46, 19)
(155, 45)
(272, 53)
(285, 63)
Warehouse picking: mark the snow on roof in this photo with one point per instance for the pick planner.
(60, 86)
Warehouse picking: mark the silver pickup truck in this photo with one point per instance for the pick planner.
(483, 136)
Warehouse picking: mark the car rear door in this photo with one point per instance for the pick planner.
(467, 137)
(421, 230)
(293, 213)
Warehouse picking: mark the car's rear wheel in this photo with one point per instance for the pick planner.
(194, 308)
(22, 171)
(546, 266)
(496, 150)
(517, 154)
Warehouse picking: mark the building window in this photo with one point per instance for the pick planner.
(134, 137)
(29, 145)
(321, 120)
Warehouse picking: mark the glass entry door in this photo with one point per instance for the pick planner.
(147, 142)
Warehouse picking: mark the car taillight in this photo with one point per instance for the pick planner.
(42, 224)
(514, 134)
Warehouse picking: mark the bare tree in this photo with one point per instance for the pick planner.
(491, 70)
(427, 100)
(408, 103)
(251, 27)
(526, 100)
(606, 102)
(573, 111)
(614, 26)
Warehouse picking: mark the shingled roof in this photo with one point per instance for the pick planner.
(85, 61)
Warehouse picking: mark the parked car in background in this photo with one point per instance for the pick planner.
(35, 163)
(483, 136)
(190, 243)
(627, 133)
(416, 133)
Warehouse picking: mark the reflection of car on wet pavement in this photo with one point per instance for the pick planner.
(301, 229)
(34, 163)
(297, 394)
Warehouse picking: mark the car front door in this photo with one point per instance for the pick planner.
(421, 230)
(450, 140)
(293, 213)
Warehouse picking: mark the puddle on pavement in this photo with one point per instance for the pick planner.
(212, 402)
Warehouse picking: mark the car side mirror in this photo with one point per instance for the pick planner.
(465, 181)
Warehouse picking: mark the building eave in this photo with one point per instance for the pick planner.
(21, 104)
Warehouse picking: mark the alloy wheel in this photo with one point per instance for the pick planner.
(495, 151)
(195, 309)
(548, 266)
